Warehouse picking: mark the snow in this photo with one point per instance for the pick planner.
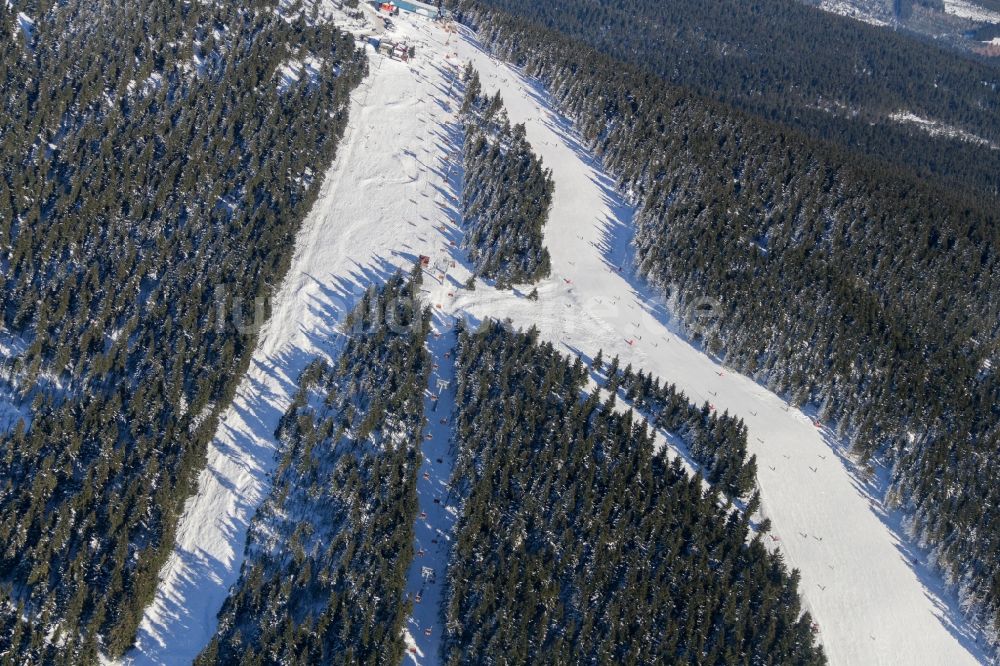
(26, 25)
(881, 14)
(352, 238)
(10, 414)
(436, 520)
(972, 11)
(878, 14)
(11, 411)
(291, 72)
(11, 345)
(391, 196)
(937, 128)
(873, 605)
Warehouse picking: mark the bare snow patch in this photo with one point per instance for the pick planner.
(315, 11)
(294, 71)
(859, 10)
(972, 11)
(11, 345)
(26, 25)
(11, 414)
(937, 128)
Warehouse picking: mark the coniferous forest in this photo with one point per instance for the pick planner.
(717, 442)
(579, 542)
(153, 175)
(857, 285)
(544, 472)
(827, 76)
(506, 193)
(831, 187)
(328, 551)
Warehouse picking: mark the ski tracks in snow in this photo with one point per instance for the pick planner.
(871, 602)
(357, 235)
(438, 505)
(390, 197)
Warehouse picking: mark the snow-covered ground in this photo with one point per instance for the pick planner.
(26, 25)
(390, 197)
(937, 128)
(375, 213)
(11, 409)
(9, 414)
(880, 12)
(873, 603)
(292, 72)
(972, 11)
(875, 13)
(438, 510)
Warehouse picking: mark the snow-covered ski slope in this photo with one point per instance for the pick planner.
(872, 603)
(390, 197)
(375, 209)
(438, 510)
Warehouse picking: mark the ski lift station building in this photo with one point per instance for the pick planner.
(415, 7)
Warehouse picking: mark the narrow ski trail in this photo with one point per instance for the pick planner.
(438, 507)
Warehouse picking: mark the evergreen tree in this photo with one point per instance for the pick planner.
(577, 543)
(506, 194)
(328, 551)
(148, 151)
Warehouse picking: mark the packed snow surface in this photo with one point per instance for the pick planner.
(391, 196)
(26, 24)
(438, 507)
(12, 409)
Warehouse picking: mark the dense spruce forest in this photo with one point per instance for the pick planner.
(506, 192)
(328, 551)
(716, 442)
(579, 543)
(154, 170)
(828, 76)
(860, 289)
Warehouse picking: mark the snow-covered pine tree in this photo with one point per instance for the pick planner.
(506, 194)
(578, 543)
(328, 551)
